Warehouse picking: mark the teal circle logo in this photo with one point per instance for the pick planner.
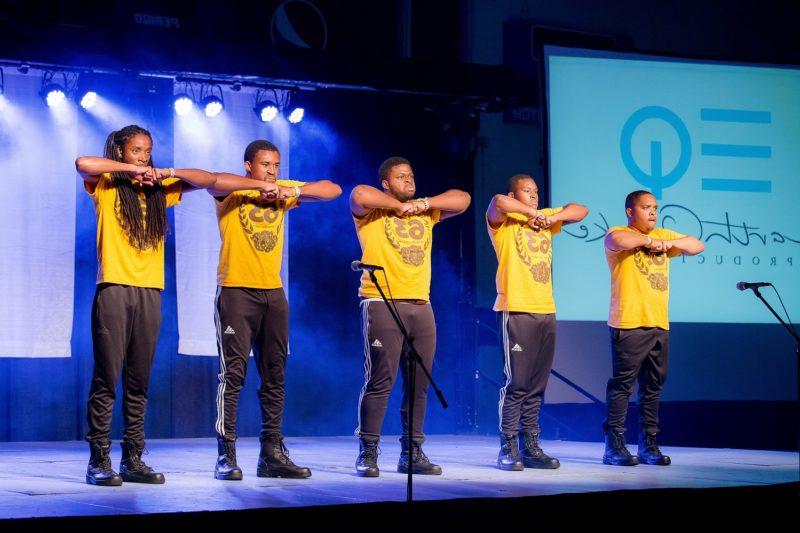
(657, 179)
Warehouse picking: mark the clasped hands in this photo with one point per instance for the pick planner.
(412, 207)
(540, 221)
(149, 176)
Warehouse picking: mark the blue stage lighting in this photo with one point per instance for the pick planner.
(266, 108)
(268, 113)
(89, 99)
(183, 104)
(297, 108)
(53, 94)
(297, 114)
(212, 105)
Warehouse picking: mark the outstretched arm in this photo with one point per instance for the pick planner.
(617, 241)
(225, 183)
(313, 191)
(571, 213)
(628, 240)
(502, 204)
(688, 245)
(91, 168)
(450, 203)
(365, 198)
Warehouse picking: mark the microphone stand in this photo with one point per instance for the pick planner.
(796, 350)
(412, 362)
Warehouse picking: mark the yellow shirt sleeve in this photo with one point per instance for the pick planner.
(92, 190)
(173, 189)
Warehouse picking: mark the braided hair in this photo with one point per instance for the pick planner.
(144, 230)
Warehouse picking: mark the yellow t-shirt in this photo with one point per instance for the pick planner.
(251, 230)
(117, 260)
(640, 283)
(401, 245)
(524, 264)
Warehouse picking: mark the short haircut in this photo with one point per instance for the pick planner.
(515, 179)
(631, 199)
(387, 166)
(256, 146)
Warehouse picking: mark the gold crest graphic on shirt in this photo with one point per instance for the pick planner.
(262, 223)
(411, 237)
(530, 244)
(645, 263)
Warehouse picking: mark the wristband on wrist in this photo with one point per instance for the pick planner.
(171, 172)
(297, 191)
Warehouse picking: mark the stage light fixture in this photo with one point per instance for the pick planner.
(266, 107)
(211, 100)
(183, 104)
(89, 99)
(297, 109)
(297, 114)
(212, 105)
(53, 94)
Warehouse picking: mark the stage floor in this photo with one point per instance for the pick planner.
(46, 479)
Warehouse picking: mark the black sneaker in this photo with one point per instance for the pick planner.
(132, 469)
(508, 458)
(367, 462)
(617, 453)
(99, 471)
(273, 461)
(648, 452)
(226, 468)
(532, 454)
(421, 464)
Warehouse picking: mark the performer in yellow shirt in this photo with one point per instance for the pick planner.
(638, 257)
(131, 198)
(522, 237)
(251, 308)
(395, 231)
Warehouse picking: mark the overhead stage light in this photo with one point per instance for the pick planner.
(297, 110)
(297, 114)
(89, 99)
(266, 107)
(212, 106)
(183, 104)
(53, 94)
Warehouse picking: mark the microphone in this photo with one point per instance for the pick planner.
(358, 265)
(743, 285)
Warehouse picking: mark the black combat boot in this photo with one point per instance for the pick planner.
(99, 471)
(532, 454)
(273, 461)
(649, 453)
(617, 453)
(226, 468)
(508, 458)
(421, 464)
(367, 462)
(133, 469)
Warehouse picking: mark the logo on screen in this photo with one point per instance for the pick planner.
(658, 178)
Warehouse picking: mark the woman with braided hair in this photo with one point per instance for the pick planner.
(131, 198)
